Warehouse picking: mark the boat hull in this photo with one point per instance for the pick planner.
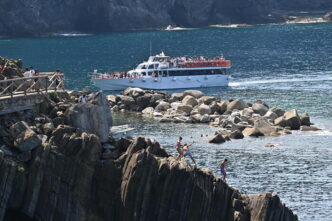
(163, 83)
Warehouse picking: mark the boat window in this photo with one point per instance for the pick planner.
(150, 66)
(156, 66)
(143, 73)
(143, 67)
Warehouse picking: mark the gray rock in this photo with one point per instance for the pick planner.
(195, 93)
(189, 100)
(92, 117)
(236, 134)
(278, 111)
(280, 121)
(148, 111)
(133, 92)
(205, 118)
(111, 98)
(127, 101)
(204, 109)
(207, 100)
(185, 108)
(252, 132)
(237, 104)
(25, 139)
(259, 108)
(48, 128)
(222, 107)
(162, 106)
(176, 97)
(217, 139)
(308, 128)
(293, 120)
(24, 156)
(305, 119)
(271, 115)
(196, 118)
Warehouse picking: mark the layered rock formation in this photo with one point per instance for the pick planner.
(66, 173)
(37, 17)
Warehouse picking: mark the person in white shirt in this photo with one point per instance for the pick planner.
(27, 72)
(32, 71)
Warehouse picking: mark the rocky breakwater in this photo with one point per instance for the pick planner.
(55, 167)
(235, 118)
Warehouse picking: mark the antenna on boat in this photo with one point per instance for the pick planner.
(150, 47)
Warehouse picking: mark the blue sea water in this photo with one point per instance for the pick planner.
(288, 66)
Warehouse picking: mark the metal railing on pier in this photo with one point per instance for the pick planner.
(29, 85)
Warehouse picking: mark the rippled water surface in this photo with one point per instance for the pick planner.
(289, 66)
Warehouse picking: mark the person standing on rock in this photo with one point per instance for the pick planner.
(187, 152)
(223, 167)
(178, 148)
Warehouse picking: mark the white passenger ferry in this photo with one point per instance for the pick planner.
(164, 72)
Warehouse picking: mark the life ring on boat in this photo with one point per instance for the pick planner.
(155, 79)
(188, 78)
(143, 79)
(131, 80)
(174, 79)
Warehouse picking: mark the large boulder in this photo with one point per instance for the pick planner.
(237, 104)
(195, 93)
(185, 108)
(204, 109)
(133, 92)
(176, 97)
(189, 100)
(252, 132)
(25, 139)
(265, 127)
(162, 106)
(148, 111)
(207, 100)
(278, 111)
(271, 115)
(293, 120)
(236, 134)
(305, 119)
(127, 101)
(217, 139)
(222, 107)
(259, 108)
(92, 117)
(280, 121)
(205, 118)
(143, 101)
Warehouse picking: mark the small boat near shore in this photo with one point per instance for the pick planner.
(164, 72)
(122, 131)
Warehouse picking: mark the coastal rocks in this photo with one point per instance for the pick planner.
(193, 106)
(259, 108)
(305, 119)
(204, 109)
(10, 68)
(194, 93)
(217, 139)
(237, 104)
(25, 139)
(293, 120)
(252, 132)
(94, 116)
(189, 100)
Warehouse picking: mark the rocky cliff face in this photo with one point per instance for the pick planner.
(65, 172)
(37, 17)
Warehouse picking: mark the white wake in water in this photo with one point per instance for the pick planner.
(322, 78)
